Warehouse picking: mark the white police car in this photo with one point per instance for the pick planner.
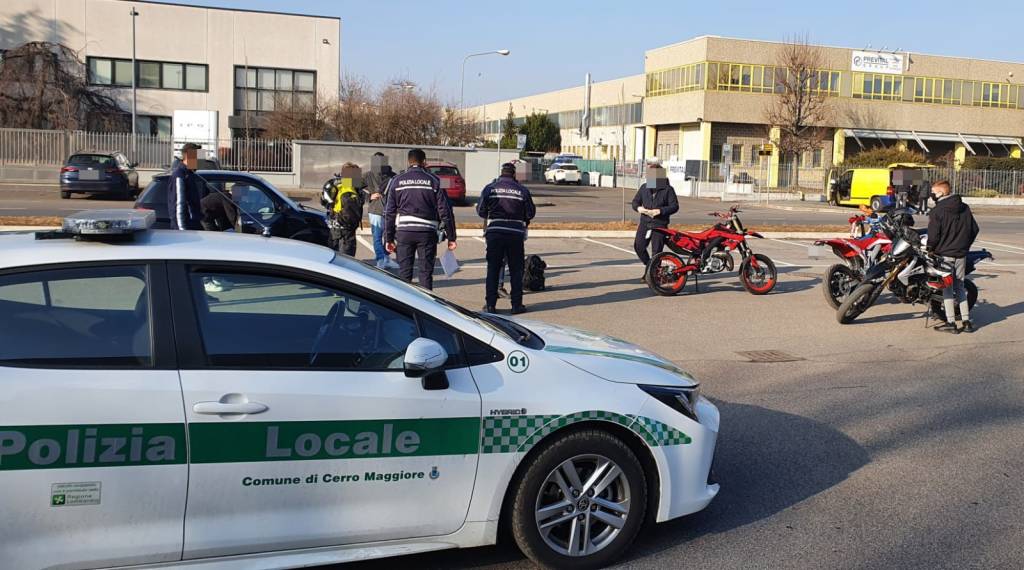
(314, 411)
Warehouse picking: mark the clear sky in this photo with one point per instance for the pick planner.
(555, 43)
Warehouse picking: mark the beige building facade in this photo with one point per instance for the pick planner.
(705, 101)
(236, 63)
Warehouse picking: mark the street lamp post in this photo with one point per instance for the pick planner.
(135, 146)
(462, 89)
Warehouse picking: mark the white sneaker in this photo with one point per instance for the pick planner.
(213, 285)
(392, 264)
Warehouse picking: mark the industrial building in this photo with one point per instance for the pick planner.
(705, 100)
(224, 68)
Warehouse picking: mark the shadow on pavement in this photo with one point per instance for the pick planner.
(766, 462)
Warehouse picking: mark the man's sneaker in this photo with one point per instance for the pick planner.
(519, 310)
(948, 327)
(489, 309)
(502, 293)
(968, 327)
(391, 264)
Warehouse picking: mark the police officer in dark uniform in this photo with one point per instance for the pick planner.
(656, 202)
(508, 208)
(416, 208)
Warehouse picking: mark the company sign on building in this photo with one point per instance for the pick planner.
(877, 62)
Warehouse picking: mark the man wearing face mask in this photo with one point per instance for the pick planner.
(374, 194)
(655, 201)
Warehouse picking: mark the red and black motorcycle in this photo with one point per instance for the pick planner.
(859, 252)
(708, 252)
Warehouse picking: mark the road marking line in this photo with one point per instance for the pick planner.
(1003, 245)
(800, 245)
(363, 242)
(480, 239)
(784, 264)
(622, 249)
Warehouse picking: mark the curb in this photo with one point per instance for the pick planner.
(569, 234)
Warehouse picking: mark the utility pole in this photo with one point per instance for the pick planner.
(135, 82)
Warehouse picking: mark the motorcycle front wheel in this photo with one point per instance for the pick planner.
(855, 304)
(939, 308)
(663, 275)
(761, 279)
(839, 282)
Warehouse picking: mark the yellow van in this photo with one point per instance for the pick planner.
(873, 187)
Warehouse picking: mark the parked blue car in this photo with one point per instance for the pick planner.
(109, 173)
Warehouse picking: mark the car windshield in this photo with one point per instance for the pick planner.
(510, 330)
(443, 170)
(94, 160)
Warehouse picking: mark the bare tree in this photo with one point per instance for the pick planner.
(295, 120)
(801, 106)
(44, 85)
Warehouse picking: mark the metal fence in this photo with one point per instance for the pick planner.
(980, 183)
(32, 147)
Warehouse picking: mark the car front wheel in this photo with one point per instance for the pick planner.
(580, 502)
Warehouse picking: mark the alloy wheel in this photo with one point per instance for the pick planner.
(583, 505)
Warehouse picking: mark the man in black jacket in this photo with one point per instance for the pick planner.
(416, 207)
(184, 191)
(656, 202)
(951, 231)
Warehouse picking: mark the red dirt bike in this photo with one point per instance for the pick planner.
(708, 252)
(859, 252)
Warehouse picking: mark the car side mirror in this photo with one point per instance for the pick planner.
(424, 359)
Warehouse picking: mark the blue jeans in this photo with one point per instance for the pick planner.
(377, 229)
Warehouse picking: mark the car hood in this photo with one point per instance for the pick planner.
(607, 357)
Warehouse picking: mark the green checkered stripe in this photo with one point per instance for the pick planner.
(509, 434)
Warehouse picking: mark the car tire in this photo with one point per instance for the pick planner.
(543, 485)
(65, 195)
(876, 203)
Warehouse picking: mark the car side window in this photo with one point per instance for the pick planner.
(265, 321)
(252, 199)
(81, 317)
(444, 336)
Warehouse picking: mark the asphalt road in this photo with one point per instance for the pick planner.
(885, 445)
(556, 204)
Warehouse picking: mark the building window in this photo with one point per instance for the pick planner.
(267, 89)
(151, 74)
(877, 86)
(737, 154)
(816, 158)
(716, 153)
(676, 80)
(153, 125)
(933, 90)
(1003, 95)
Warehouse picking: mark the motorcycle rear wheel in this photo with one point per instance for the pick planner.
(939, 308)
(855, 304)
(839, 282)
(661, 274)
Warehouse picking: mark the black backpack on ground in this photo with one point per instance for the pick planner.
(533, 274)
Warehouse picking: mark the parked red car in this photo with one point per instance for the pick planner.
(451, 179)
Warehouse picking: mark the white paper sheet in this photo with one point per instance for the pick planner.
(449, 263)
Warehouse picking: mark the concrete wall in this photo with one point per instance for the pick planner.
(220, 38)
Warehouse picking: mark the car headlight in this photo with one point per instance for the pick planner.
(682, 400)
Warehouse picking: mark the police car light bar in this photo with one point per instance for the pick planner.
(109, 222)
(103, 224)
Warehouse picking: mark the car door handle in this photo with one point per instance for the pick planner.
(222, 408)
